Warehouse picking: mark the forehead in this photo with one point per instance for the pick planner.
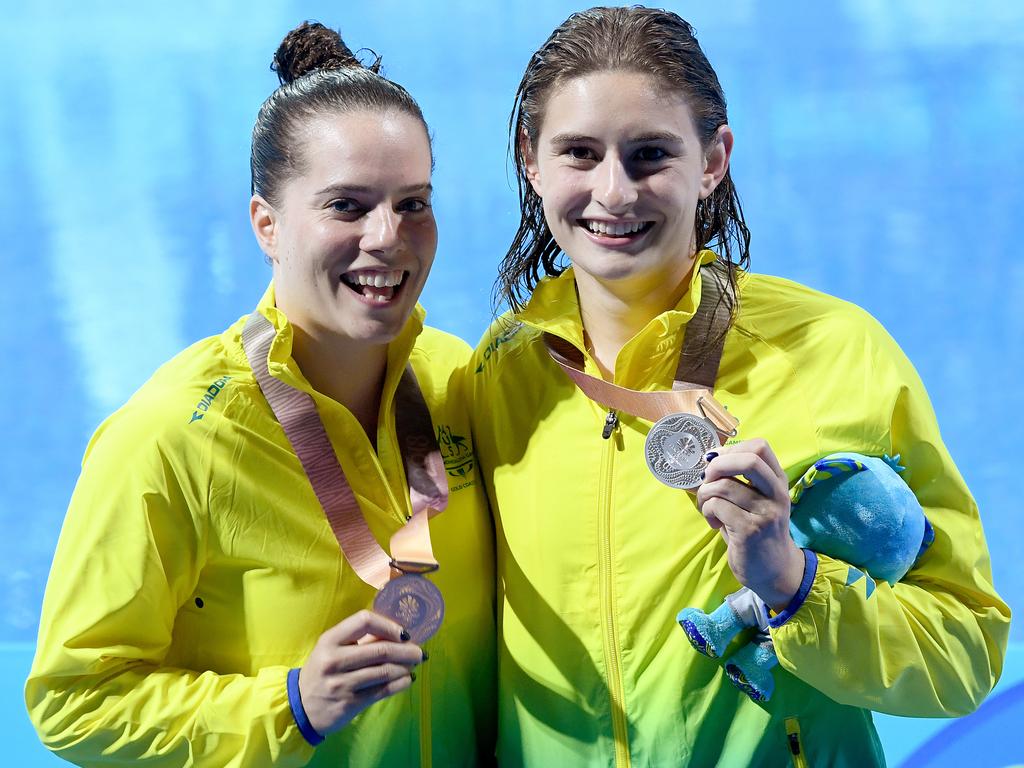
(375, 147)
(615, 102)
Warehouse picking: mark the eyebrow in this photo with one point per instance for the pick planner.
(562, 139)
(336, 189)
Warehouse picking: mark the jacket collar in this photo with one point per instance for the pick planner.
(646, 361)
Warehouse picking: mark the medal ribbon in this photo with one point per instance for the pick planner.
(410, 546)
(710, 320)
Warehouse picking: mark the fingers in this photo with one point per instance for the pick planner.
(726, 516)
(755, 462)
(378, 677)
(356, 626)
(373, 654)
(746, 497)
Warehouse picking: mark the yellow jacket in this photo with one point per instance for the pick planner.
(196, 566)
(596, 557)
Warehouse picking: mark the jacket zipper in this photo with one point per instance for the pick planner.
(608, 602)
(611, 421)
(423, 676)
(796, 747)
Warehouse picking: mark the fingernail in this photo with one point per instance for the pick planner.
(425, 655)
(701, 475)
(413, 676)
(404, 637)
(710, 455)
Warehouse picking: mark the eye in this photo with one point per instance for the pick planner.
(581, 153)
(650, 154)
(413, 205)
(346, 205)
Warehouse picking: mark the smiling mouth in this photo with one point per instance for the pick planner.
(621, 230)
(375, 286)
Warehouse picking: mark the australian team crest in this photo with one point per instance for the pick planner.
(457, 452)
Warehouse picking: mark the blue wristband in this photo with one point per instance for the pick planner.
(309, 733)
(810, 571)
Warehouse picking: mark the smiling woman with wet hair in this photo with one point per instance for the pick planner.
(632, 304)
(210, 599)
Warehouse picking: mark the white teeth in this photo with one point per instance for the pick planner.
(613, 228)
(375, 278)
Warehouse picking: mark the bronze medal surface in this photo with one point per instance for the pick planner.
(676, 446)
(414, 602)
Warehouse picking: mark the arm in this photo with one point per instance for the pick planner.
(129, 556)
(933, 644)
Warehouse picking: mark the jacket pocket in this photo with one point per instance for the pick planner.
(795, 743)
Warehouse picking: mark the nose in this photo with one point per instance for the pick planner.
(616, 190)
(381, 231)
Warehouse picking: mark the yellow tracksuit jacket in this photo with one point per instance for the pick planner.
(196, 566)
(596, 557)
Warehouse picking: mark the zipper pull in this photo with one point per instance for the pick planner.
(611, 421)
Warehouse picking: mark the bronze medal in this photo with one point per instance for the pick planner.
(414, 602)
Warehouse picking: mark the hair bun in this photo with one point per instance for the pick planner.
(309, 47)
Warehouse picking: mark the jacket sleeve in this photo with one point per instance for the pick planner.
(933, 644)
(129, 555)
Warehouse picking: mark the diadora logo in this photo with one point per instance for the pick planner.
(211, 392)
(497, 341)
(457, 452)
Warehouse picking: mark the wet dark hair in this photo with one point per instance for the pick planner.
(319, 75)
(646, 40)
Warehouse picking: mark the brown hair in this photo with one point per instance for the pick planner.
(319, 74)
(655, 42)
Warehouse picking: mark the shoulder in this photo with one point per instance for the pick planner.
(792, 316)
(503, 342)
(843, 362)
(438, 359)
(177, 406)
(440, 349)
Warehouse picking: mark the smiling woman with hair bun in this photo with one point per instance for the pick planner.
(246, 575)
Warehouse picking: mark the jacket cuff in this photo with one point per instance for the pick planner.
(309, 733)
(810, 571)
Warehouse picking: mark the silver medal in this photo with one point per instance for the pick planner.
(676, 446)
(414, 602)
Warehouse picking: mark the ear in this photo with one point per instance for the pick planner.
(264, 219)
(716, 161)
(529, 158)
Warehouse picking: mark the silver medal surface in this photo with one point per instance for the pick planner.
(414, 602)
(676, 446)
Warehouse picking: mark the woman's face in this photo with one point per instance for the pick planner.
(620, 169)
(353, 235)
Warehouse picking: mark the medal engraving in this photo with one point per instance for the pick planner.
(676, 446)
(414, 602)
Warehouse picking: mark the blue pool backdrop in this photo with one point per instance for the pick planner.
(878, 156)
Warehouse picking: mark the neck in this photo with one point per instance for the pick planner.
(612, 314)
(350, 372)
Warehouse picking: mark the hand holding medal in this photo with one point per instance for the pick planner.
(359, 661)
(753, 518)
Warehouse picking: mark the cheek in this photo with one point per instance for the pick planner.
(675, 195)
(422, 237)
(567, 197)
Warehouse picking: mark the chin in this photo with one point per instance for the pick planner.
(614, 268)
(376, 331)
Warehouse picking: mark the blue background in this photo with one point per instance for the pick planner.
(878, 157)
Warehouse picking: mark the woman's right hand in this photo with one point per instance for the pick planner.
(355, 663)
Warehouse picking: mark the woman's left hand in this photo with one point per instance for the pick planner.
(753, 518)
